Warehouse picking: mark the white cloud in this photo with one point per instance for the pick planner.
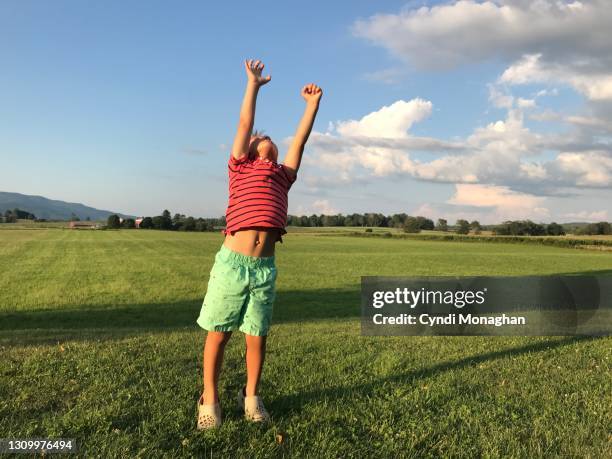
(547, 92)
(425, 210)
(500, 99)
(391, 121)
(525, 103)
(453, 213)
(319, 206)
(502, 153)
(531, 69)
(505, 203)
(546, 115)
(591, 169)
(487, 204)
(448, 35)
(595, 216)
(332, 141)
(323, 206)
(546, 41)
(590, 122)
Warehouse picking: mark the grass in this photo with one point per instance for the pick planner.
(99, 343)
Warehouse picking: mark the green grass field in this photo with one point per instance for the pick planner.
(99, 343)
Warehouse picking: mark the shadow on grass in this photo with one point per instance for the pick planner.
(106, 321)
(115, 321)
(290, 404)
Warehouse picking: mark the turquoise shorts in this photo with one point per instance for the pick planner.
(241, 292)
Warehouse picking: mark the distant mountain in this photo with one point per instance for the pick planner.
(52, 209)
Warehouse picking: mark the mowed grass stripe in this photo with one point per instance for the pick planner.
(106, 269)
(341, 261)
(39, 261)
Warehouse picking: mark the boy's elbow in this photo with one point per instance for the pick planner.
(244, 123)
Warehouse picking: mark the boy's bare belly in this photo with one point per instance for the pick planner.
(253, 242)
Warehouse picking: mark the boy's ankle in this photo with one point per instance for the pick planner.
(205, 400)
(246, 394)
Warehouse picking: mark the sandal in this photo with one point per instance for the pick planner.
(253, 407)
(209, 416)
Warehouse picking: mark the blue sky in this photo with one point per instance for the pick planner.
(131, 107)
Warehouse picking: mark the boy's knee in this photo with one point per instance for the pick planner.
(219, 338)
(254, 341)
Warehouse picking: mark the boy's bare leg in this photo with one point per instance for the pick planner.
(214, 348)
(255, 354)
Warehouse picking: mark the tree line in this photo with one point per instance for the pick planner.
(408, 223)
(179, 222)
(11, 215)
(416, 224)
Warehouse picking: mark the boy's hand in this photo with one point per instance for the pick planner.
(312, 93)
(253, 70)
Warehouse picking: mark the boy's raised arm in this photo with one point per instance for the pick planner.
(255, 80)
(312, 95)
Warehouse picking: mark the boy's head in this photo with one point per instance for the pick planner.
(261, 146)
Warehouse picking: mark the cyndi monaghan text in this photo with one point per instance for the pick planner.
(449, 319)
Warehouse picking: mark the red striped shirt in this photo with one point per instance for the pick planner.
(257, 195)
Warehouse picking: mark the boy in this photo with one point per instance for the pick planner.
(241, 289)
